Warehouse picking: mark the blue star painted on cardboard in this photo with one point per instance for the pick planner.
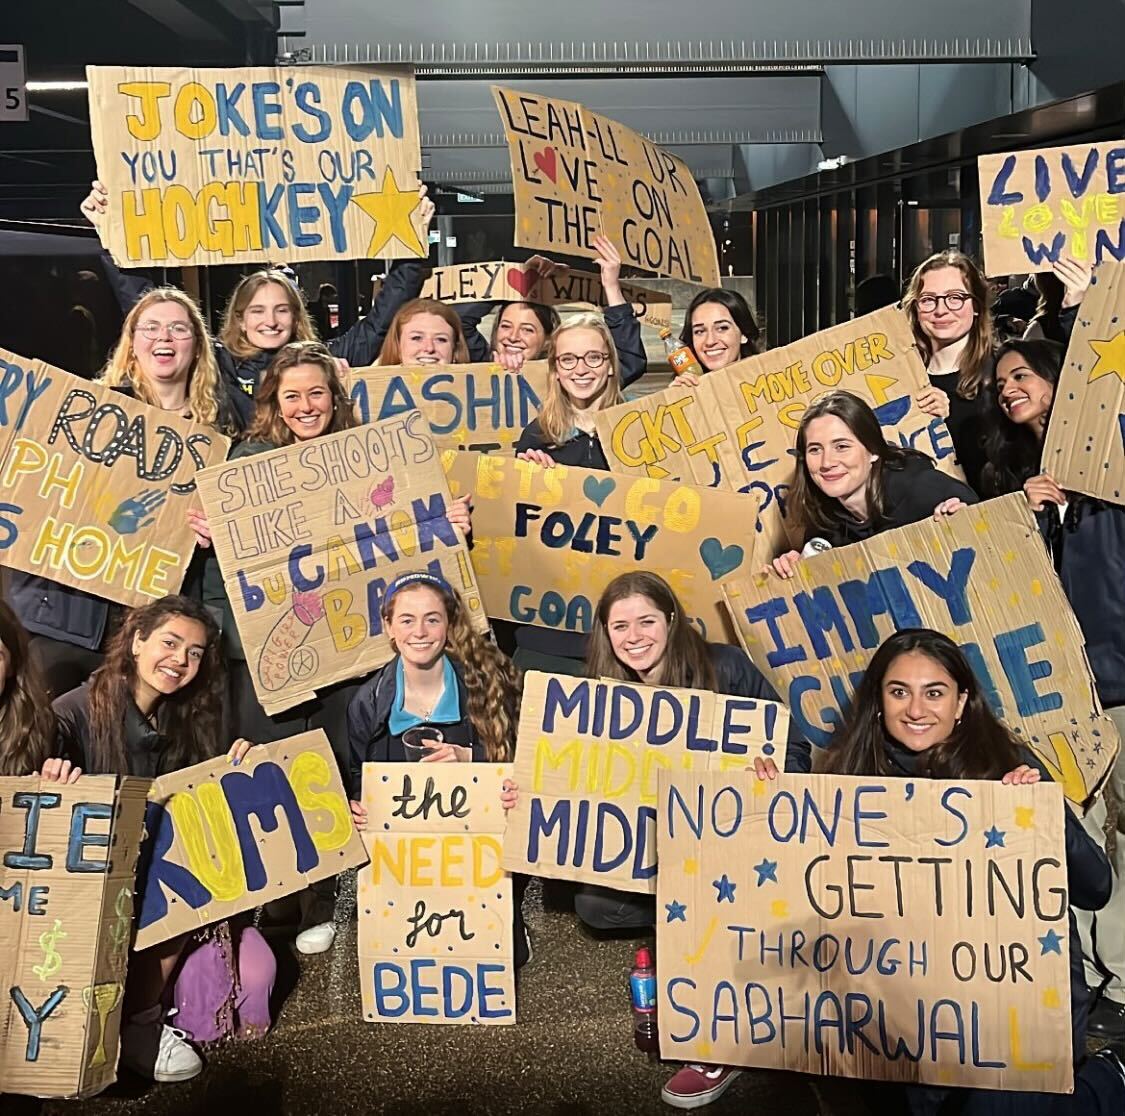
(725, 889)
(767, 870)
(994, 838)
(677, 912)
(1050, 943)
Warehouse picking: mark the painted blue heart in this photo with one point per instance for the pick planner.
(719, 559)
(597, 489)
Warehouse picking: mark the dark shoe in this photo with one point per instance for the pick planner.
(1107, 1020)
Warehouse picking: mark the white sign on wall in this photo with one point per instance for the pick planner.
(13, 83)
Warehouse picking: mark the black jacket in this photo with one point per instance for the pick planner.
(583, 450)
(966, 421)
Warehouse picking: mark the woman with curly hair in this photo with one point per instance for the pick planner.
(27, 725)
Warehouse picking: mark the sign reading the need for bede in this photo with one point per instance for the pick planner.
(94, 485)
(577, 175)
(249, 165)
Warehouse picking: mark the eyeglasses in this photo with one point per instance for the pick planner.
(179, 331)
(593, 360)
(954, 301)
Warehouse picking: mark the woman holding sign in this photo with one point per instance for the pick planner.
(719, 328)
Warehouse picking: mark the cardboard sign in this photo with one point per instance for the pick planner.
(468, 406)
(984, 578)
(435, 907)
(577, 174)
(500, 281)
(587, 759)
(254, 164)
(225, 839)
(738, 429)
(95, 486)
(1040, 206)
(308, 537)
(1084, 449)
(891, 929)
(66, 917)
(546, 542)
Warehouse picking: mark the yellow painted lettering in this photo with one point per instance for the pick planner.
(195, 112)
(68, 484)
(1007, 227)
(339, 559)
(394, 861)
(405, 532)
(348, 629)
(27, 457)
(222, 873)
(421, 862)
(547, 758)
(683, 509)
(89, 549)
(145, 125)
(1037, 217)
(310, 775)
(643, 455)
(143, 218)
(51, 543)
(452, 861)
(486, 847)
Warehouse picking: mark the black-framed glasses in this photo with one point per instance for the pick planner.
(152, 330)
(593, 360)
(954, 301)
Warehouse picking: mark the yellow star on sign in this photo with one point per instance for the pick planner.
(1111, 357)
(391, 210)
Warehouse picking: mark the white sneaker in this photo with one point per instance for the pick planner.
(151, 1048)
(316, 939)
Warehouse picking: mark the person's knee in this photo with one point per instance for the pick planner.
(257, 965)
(594, 910)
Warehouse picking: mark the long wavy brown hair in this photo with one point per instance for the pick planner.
(685, 661)
(190, 719)
(391, 352)
(231, 333)
(267, 425)
(27, 724)
(493, 683)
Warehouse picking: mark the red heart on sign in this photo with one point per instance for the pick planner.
(545, 161)
(523, 281)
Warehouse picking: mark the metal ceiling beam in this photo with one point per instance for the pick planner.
(179, 18)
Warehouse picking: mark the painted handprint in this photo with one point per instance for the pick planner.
(137, 512)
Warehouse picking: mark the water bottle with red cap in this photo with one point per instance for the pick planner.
(642, 989)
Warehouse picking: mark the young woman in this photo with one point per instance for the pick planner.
(154, 707)
(719, 327)
(444, 678)
(425, 331)
(1086, 538)
(27, 725)
(851, 483)
(1061, 291)
(919, 712)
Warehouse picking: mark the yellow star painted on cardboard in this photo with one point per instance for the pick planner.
(391, 209)
(1111, 357)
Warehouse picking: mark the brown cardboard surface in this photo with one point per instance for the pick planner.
(1046, 204)
(984, 578)
(66, 914)
(546, 542)
(587, 759)
(308, 536)
(96, 485)
(222, 166)
(847, 902)
(435, 907)
(1084, 449)
(576, 174)
(228, 839)
(479, 407)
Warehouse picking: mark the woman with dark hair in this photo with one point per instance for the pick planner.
(27, 725)
(719, 327)
(919, 712)
(851, 483)
(1061, 291)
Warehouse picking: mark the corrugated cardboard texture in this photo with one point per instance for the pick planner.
(981, 576)
(1084, 449)
(468, 406)
(907, 930)
(576, 174)
(221, 166)
(96, 486)
(435, 907)
(500, 281)
(1044, 205)
(738, 429)
(66, 917)
(309, 536)
(546, 542)
(225, 839)
(587, 759)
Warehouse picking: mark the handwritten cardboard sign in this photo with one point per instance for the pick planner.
(225, 839)
(587, 759)
(738, 429)
(1040, 206)
(95, 486)
(546, 542)
(308, 537)
(1084, 449)
(468, 406)
(890, 929)
(984, 578)
(435, 907)
(214, 166)
(500, 281)
(577, 174)
(69, 855)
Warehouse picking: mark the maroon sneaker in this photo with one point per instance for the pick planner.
(695, 1085)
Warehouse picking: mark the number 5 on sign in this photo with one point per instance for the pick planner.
(13, 83)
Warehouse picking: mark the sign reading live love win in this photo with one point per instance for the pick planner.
(546, 542)
(309, 535)
(94, 485)
(895, 929)
(588, 756)
(66, 920)
(243, 165)
(577, 175)
(1041, 206)
(984, 578)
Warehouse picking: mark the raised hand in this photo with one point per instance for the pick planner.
(96, 204)
(1075, 278)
